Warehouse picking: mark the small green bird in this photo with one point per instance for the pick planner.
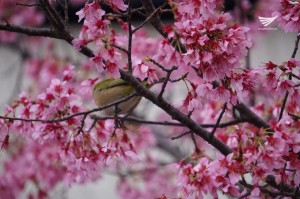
(112, 90)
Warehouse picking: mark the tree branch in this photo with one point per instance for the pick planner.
(251, 117)
(40, 32)
(130, 33)
(219, 119)
(296, 46)
(146, 20)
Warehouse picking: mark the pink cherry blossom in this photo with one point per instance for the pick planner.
(288, 18)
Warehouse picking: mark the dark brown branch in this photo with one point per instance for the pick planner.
(66, 12)
(290, 78)
(295, 76)
(54, 17)
(265, 190)
(160, 66)
(197, 150)
(92, 126)
(283, 105)
(285, 188)
(123, 15)
(130, 33)
(40, 32)
(167, 123)
(296, 46)
(294, 116)
(155, 20)
(180, 78)
(137, 120)
(225, 124)
(147, 19)
(50, 13)
(80, 128)
(181, 135)
(163, 88)
(219, 120)
(28, 5)
(251, 117)
(120, 48)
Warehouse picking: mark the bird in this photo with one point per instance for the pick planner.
(112, 90)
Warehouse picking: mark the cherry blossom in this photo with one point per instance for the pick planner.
(288, 17)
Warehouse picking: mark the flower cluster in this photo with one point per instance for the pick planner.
(236, 87)
(96, 30)
(77, 146)
(31, 165)
(94, 26)
(289, 17)
(207, 176)
(259, 155)
(213, 47)
(152, 178)
(277, 79)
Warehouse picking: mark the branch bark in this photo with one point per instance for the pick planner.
(39, 32)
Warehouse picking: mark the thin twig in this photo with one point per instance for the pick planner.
(295, 76)
(180, 78)
(147, 19)
(163, 88)
(290, 78)
(66, 11)
(80, 128)
(283, 105)
(49, 15)
(218, 120)
(159, 65)
(130, 33)
(28, 5)
(167, 123)
(294, 116)
(197, 150)
(180, 136)
(296, 46)
(123, 15)
(53, 16)
(69, 116)
(40, 32)
(120, 48)
(92, 126)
